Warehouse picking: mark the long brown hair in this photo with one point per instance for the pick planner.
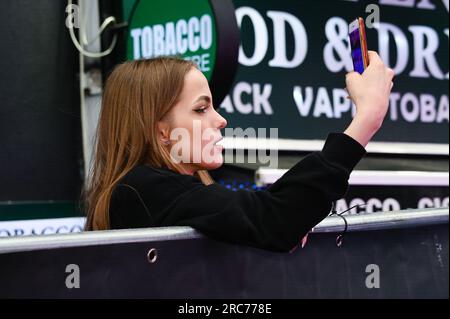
(137, 95)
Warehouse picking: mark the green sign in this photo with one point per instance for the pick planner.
(172, 28)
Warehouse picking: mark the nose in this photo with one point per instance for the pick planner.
(222, 122)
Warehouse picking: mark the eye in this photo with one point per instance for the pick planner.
(201, 109)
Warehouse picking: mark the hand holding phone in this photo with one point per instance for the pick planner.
(370, 93)
(358, 42)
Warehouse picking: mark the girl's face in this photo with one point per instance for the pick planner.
(191, 129)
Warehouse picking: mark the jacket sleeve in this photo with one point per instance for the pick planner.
(274, 219)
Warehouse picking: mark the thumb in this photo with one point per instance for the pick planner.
(352, 77)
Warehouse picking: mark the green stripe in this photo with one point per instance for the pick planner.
(23, 210)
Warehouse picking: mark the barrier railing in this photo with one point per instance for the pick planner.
(332, 224)
(405, 251)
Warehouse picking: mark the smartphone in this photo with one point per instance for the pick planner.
(358, 43)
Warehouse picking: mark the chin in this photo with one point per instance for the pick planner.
(217, 163)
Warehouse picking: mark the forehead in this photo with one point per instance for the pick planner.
(195, 85)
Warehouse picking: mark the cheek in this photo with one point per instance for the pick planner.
(209, 135)
(200, 136)
(182, 122)
(184, 127)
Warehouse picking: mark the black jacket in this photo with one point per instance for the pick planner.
(275, 219)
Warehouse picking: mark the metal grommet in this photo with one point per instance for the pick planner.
(152, 255)
(339, 240)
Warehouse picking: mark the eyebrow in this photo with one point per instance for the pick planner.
(205, 98)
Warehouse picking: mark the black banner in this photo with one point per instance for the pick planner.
(402, 263)
(295, 54)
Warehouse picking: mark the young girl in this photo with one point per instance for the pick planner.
(140, 179)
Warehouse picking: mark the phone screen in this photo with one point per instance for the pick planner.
(357, 52)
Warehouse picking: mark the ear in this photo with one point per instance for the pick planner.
(163, 130)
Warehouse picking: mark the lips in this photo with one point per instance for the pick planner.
(218, 142)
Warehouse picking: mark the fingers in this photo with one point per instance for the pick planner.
(375, 61)
(348, 98)
(351, 76)
(390, 73)
(374, 58)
